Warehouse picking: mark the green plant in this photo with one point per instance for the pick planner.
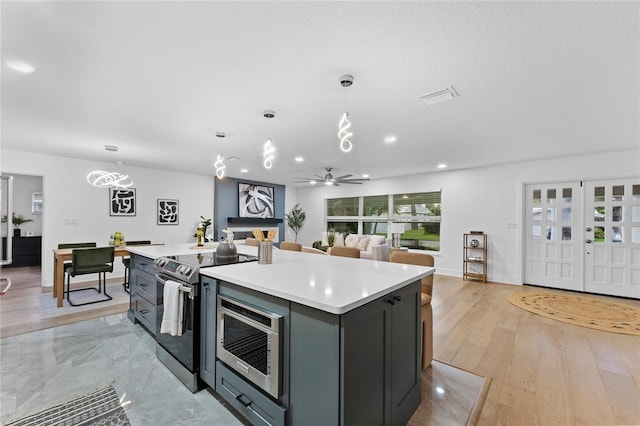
(295, 219)
(331, 237)
(206, 223)
(17, 220)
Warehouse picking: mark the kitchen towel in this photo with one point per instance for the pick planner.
(172, 315)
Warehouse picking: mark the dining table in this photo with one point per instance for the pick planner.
(62, 255)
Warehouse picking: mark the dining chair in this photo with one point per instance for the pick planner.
(306, 249)
(344, 252)
(426, 310)
(72, 246)
(92, 260)
(251, 242)
(126, 261)
(288, 245)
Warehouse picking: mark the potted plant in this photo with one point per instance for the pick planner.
(295, 220)
(206, 223)
(17, 220)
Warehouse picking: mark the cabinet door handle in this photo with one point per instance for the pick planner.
(391, 301)
(244, 400)
(398, 298)
(205, 284)
(144, 311)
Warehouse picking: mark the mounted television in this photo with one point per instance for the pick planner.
(255, 201)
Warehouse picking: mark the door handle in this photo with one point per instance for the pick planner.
(588, 241)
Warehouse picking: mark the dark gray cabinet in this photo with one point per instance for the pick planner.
(208, 287)
(365, 363)
(143, 292)
(26, 251)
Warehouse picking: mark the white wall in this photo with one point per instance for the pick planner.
(487, 199)
(75, 211)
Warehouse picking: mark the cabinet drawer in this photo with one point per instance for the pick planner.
(145, 312)
(250, 402)
(143, 264)
(145, 286)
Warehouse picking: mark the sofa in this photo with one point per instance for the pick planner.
(374, 247)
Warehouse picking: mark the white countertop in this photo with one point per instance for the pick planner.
(329, 283)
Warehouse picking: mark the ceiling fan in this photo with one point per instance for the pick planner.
(329, 179)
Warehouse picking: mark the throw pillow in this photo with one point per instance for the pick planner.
(324, 242)
(351, 240)
(339, 241)
(363, 244)
(376, 240)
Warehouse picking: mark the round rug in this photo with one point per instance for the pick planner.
(583, 311)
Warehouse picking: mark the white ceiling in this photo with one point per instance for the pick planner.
(158, 79)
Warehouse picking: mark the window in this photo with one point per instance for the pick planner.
(419, 212)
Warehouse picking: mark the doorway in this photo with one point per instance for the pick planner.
(584, 236)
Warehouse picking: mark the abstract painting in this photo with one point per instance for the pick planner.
(255, 201)
(122, 202)
(168, 211)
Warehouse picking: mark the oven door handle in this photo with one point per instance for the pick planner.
(183, 288)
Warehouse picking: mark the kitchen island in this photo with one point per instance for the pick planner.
(349, 343)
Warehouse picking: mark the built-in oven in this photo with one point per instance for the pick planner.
(250, 343)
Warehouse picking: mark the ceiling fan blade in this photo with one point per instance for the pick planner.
(343, 177)
(351, 182)
(321, 177)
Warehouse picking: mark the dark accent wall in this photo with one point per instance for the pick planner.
(225, 205)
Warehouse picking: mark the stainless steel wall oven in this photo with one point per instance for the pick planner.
(250, 343)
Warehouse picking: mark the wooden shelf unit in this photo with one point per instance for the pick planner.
(474, 256)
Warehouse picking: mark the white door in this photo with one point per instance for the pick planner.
(553, 237)
(612, 237)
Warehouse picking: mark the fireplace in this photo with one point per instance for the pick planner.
(240, 233)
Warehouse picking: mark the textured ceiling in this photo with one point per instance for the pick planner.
(159, 79)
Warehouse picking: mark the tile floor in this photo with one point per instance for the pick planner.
(46, 367)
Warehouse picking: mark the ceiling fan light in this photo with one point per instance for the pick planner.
(328, 183)
(312, 182)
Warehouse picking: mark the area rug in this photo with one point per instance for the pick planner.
(584, 311)
(101, 407)
(49, 307)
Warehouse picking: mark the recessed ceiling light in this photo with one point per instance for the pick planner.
(439, 96)
(390, 139)
(20, 66)
(244, 170)
(299, 159)
(442, 166)
(365, 176)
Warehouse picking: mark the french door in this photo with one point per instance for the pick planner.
(612, 237)
(553, 248)
(584, 236)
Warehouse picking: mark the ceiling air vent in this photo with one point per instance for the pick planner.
(439, 96)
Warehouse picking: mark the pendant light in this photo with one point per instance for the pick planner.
(103, 179)
(220, 166)
(269, 151)
(345, 124)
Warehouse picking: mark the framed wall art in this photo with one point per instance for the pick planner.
(122, 202)
(255, 201)
(168, 211)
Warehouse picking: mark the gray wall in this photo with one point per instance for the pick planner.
(226, 203)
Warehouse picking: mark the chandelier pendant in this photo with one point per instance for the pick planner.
(220, 166)
(344, 134)
(102, 179)
(268, 154)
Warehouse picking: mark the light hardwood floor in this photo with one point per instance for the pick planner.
(543, 372)
(20, 310)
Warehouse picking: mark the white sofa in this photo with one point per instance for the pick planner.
(375, 247)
